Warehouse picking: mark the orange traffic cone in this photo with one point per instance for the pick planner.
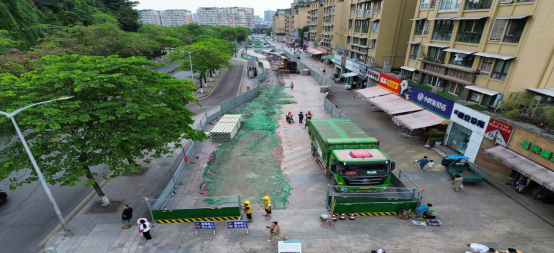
(342, 216)
(352, 217)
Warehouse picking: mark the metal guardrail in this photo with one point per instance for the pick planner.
(333, 109)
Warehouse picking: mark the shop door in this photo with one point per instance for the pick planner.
(459, 138)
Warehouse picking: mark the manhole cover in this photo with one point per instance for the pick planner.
(97, 207)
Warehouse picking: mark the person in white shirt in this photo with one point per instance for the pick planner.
(430, 165)
(144, 226)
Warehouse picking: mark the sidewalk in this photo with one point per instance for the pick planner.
(479, 213)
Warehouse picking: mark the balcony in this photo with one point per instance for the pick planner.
(453, 73)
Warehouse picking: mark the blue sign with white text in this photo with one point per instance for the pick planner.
(431, 101)
(205, 225)
(237, 224)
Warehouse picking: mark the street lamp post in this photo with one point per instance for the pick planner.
(68, 232)
(190, 60)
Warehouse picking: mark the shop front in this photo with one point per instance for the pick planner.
(372, 76)
(431, 101)
(466, 131)
(390, 82)
(359, 69)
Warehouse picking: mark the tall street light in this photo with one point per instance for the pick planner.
(190, 60)
(68, 232)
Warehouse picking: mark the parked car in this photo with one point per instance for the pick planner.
(3, 197)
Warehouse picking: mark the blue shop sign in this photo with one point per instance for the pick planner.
(431, 101)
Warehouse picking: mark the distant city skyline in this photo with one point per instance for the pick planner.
(259, 6)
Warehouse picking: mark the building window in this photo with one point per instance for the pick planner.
(514, 31)
(426, 27)
(523, 1)
(485, 66)
(443, 29)
(413, 51)
(469, 31)
(501, 68)
(497, 29)
(372, 43)
(375, 26)
(478, 4)
(436, 53)
(475, 97)
(367, 9)
(363, 42)
(357, 26)
(446, 5)
(462, 59)
(377, 6)
(454, 88)
(420, 24)
(424, 5)
(365, 26)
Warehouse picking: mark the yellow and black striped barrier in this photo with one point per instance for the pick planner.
(370, 214)
(197, 219)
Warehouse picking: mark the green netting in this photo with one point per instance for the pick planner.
(246, 165)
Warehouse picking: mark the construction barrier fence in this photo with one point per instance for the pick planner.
(181, 210)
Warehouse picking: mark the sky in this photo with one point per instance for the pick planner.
(192, 5)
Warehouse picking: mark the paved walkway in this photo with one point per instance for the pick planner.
(479, 213)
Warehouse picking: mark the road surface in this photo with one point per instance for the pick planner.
(227, 88)
(28, 216)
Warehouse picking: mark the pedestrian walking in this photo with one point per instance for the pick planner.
(324, 69)
(300, 117)
(458, 183)
(248, 210)
(268, 206)
(309, 115)
(144, 228)
(422, 162)
(291, 85)
(522, 183)
(430, 165)
(275, 230)
(127, 217)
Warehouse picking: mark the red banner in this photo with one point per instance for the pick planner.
(389, 83)
(499, 132)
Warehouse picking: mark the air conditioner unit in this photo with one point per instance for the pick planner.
(506, 1)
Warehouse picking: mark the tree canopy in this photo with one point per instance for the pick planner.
(119, 110)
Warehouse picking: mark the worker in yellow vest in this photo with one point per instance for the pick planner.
(267, 206)
(248, 210)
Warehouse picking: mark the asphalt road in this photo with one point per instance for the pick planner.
(28, 216)
(227, 88)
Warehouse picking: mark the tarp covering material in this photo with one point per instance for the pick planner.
(316, 52)
(372, 92)
(394, 104)
(419, 119)
(311, 50)
(330, 57)
(458, 157)
(532, 170)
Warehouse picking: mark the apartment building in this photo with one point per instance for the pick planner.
(268, 15)
(295, 21)
(279, 25)
(377, 35)
(481, 51)
(315, 21)
(171, 17)
(335, 20)
(226, 16)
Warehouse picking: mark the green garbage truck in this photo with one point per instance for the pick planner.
(349, 156)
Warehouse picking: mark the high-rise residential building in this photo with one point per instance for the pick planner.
(315, 21)
(481, 51)
(195, 18)
(226, 16)
(257, 19)
(171, 17)
(279, 24)
(268, 15)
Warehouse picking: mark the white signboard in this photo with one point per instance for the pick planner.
(290, 246)
(470, 119)
(355, 67)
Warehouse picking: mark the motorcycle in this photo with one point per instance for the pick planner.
(290, 120)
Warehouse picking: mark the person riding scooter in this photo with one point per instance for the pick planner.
(290, 120)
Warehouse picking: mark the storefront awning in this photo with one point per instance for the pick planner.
(439, 18)
(469, 18)
(311, 50)
(496, 56)
(372, 92)
(482, 90)
(316, 52)
(436, 45)
(413, 42)
(547, 92)
(513, 17)
(419, 119)
(328, 57)
(394, 104)
(460, 51)
(532, 170)
(351, 74)
(416, 19)
(408, 68)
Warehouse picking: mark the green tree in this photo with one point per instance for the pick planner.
(119, 109)
(211, 55)
(123, 10)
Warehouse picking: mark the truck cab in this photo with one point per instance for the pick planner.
(367, 168)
